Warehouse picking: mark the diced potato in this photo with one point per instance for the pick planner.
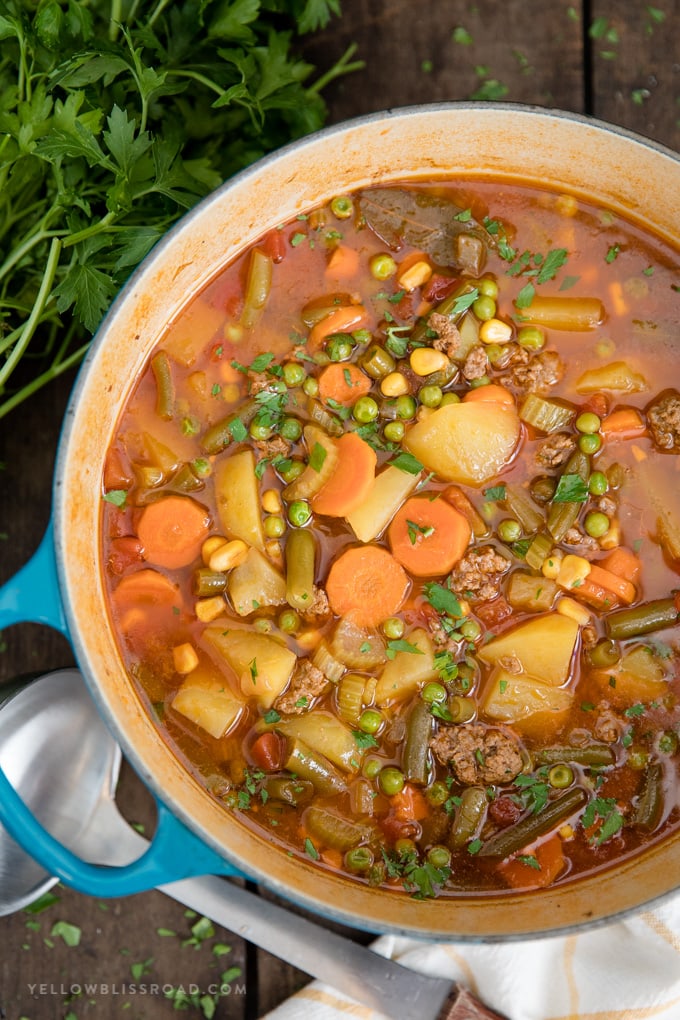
(389, 490)
(206, 699)
(543, 646)
(324, 733)
(639, 676)
(617, 376)
(404, 674)
(254, 583)
(238, 498)
(194, 330)
(534, 707)
(262, 665)
(530, 593)
(313, 479)
(465, 443)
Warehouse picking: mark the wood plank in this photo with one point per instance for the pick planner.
(634, 52)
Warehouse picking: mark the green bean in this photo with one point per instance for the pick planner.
(258, 286)
(289, 790)
(562, 516)
(509, 841)
(557, 312)
(300, 566)
(184, 480)
(469, 816)
(605, 654)
(521, 505)
(461, 709)
(221, 434)
(165, 387)
(594, 755)
(208, 582)
(650, 616)
(333, 830)
(416, 755)
(649, 805)
(308, 764)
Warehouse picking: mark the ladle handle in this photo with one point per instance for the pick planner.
(174, 853)
(32, 595)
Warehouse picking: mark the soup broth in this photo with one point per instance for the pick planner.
(391, 534)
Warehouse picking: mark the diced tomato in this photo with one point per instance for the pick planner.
(504, 811)
(117, 474)
(439, 286)
(274, 245)
(123, 553)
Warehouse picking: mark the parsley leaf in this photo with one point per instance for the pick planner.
(408, 463)
(571, 489)
(317, 457)
(442, 599)
(401, 645)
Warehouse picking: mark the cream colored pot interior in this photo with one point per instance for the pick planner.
(634, 178)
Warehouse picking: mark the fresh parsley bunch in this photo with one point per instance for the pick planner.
(116, 116)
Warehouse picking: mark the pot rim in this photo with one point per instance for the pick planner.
(337, 904)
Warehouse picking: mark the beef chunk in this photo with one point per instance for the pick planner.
(539, 373)
(308, 682)
(555, 450)
(663, 418)
(277, 446)
(478, 754)
(479, 574)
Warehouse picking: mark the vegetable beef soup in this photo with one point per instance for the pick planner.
(391, 537)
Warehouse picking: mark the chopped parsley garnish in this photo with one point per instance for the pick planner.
(534, 790)
(571, 489)
(272, 716)
(464, 301)
(417, 529)
(364, 741)
(311, 850)
(115, 496)
(317, 457)
(239, 432)
(401, 645)
(604, 810)
(408, 463)
(530, 860)
(496, 494)
(612, 253)
(474, 846)
(442, 599)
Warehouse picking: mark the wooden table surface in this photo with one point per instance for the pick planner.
(618, 60)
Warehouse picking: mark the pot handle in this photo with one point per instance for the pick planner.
(174, 853)
(32, 595)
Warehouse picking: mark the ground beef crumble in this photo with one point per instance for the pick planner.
(277, 446)
(555, 450)
(308, 683)
(448, 335)
(479, 574)
(319, 606)
(663, 418)
(478, 754)
(476, 364)
(539, 373)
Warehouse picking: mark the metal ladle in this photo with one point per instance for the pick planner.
(61, 759)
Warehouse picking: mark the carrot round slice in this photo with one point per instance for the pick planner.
(172, 531)
(343, 383)
(428, 536)
(349, 484)
(493, 393)
(367, 583)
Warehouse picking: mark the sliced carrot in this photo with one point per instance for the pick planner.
(349, 484)
(343, 383)
(624, 423)
(594, 594)
(410, 804)
(623, 563)
(145, 587)
(172, 531)
(428, 536)
(521, 874)
(368, 583)
(268, 751)
(341, 320)
(343, 262)
(619, 586)
(494, 393)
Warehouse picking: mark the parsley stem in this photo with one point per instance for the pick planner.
(30, 242)
(157, 11)
(91, 231)
(34, 318)
(342, 67)
(195, 76)
(115, 19)
(53, 372)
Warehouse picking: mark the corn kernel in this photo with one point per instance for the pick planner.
(273, 551)
(394, 385)
(566, 832)
(573, 571)
(308, 639)
(228, 555)
(230, 392)
(271, 501)
(415, 276)
(426, 360)
(234, 333)
(184, 658)
(574, 610)
(638, 453)
(208, 610)
(566, 205)
(210, 546)
(612, 538)
(550, 567)
(495, 331)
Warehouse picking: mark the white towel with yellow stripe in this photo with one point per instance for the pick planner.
(629, 970)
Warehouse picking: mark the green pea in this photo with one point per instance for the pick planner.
(437, 794)
(289, 621)
(450, 398)
(596, 524)
(668, 742)
(405, 846)
(560, 777)
(484, 307)
(439, 856)
(263, 626)
(293, 374)
(588, 423)
(299, 513)
(342, 207)
(358, 859)
(371, 767)
(370, 720)
(531, 337)
(339, 347)
(598, 483)
(393, 628)
(321, 358)
(495, 353)
(605, 654)
(310, 386)
(258, 430)
(483, 380)
(292, 470)
(274, 526)
(488, 287)
(433, 693)
(290, 429)
(382, 266)
(405, 406)
(394, 431)
(391, 780)
(509, 530)
(430, 396)
(470, 630)
(589, 443)
(365, 410)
